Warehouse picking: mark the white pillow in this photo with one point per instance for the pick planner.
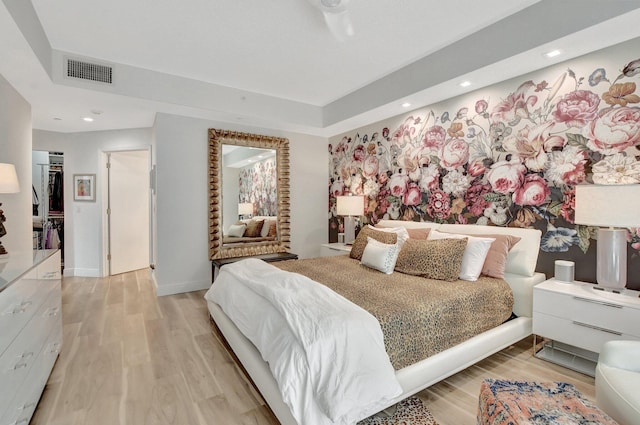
(265, 227)
(474, 254)
(402, 233)
(380, 256)
(236, 230)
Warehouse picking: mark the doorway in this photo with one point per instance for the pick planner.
(128, 243)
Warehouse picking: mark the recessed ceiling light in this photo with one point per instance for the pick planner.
(406, 104)
(88, 119)
(465, 84)
(553, 53)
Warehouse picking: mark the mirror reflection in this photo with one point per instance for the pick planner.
(250, 194)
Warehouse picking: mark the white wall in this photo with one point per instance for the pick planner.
(15, 148)
(182, 198)
(83, 154)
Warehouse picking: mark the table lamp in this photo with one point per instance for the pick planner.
(349, 207)
(8, 184)
(613, 208)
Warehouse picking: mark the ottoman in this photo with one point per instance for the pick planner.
(517, 403)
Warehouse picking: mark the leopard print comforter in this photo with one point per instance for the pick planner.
(419, 317)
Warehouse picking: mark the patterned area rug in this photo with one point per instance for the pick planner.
(410, 411)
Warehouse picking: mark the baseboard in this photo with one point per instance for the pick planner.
(179, 288)
(81, 272)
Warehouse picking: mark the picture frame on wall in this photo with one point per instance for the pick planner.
(84, 187)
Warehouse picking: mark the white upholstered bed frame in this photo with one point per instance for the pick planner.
(520, 274)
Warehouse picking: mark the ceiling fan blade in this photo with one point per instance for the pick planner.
(339, 24)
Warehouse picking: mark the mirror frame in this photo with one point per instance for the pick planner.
(217, 138)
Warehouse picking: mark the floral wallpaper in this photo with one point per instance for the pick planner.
(258, 184)
(507, 161)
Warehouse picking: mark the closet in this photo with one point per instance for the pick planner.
(48, 200)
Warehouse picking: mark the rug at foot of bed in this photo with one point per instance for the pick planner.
(410, 411)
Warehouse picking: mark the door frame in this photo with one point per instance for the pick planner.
(104, 186)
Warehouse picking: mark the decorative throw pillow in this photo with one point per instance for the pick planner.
(273, 229)
(361, 240)
(265, 227)
(496, 261)
(236, 230)
(380, 256)
(419, 233)
(435, 259)
(474, 254)
(402, 233)
(254, 227)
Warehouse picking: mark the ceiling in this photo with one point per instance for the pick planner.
(274, 64)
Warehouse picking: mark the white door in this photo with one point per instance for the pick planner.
(128, 211)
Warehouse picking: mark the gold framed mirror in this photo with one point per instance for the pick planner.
(227, 203)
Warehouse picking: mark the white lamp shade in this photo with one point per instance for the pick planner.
(350, 205)
(245, 208)
(608, 205)
(8, 179)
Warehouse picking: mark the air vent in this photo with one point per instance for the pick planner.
(89, 71)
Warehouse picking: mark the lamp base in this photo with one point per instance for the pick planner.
(612, 258)
(349, 229)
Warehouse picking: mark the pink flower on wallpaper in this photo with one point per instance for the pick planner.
(532, 144)
(515, 106)
(413, 195)
(429, 178)
(358, 153)
(439, 205)
(383, 178)
(577, 108)
(454, 154)
(405, 132)
(475, 198)
(614, 131)
(566, 167)
(481, 106)
(370, 167)
(398, 184)
(434, 137)
(568, 205)
(534, 191)
(506, 176)
(476, 167)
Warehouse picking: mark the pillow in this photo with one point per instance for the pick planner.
(265, 227)
(273, 229)
(380, 256)
(254, 227)
(402, 233)
(361, 240)
(419, 233)
(474, 255)
(435, 259)
(236, 230)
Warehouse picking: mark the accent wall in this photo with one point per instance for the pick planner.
(506, 155)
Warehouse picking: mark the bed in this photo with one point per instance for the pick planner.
(413, 376)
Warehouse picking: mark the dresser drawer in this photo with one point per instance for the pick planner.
(50, 268)
(18, 304)
(572, 332)
(599, 312)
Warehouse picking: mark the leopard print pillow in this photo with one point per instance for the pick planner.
(361, 240)
(434, 259)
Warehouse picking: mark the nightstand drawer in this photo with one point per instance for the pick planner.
(600, 312)
(576, 333)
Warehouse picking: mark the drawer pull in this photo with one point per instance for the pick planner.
(604, 303)
(597, 328)
(26, 355)
(19, 365)
(21, 421)
(18, 308)
(53, 312)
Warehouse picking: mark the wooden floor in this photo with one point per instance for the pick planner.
(132, 358)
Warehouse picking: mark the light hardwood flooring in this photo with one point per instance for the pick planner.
(131, 358)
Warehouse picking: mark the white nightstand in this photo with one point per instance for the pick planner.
(579, 319)
(336, 248)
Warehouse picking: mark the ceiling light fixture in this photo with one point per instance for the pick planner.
(553, 53)
(88, 119)
(465, 84)
(406, 104)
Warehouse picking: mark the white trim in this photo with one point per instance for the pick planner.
(179, 288)
(82, 272)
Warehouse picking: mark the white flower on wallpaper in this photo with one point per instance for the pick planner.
(512, 161)
(258, 185)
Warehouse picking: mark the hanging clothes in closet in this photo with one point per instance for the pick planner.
(56, 201)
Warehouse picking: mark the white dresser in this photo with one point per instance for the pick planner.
(31, 330)
(580, 319)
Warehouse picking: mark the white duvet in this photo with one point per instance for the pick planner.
(326, 353)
